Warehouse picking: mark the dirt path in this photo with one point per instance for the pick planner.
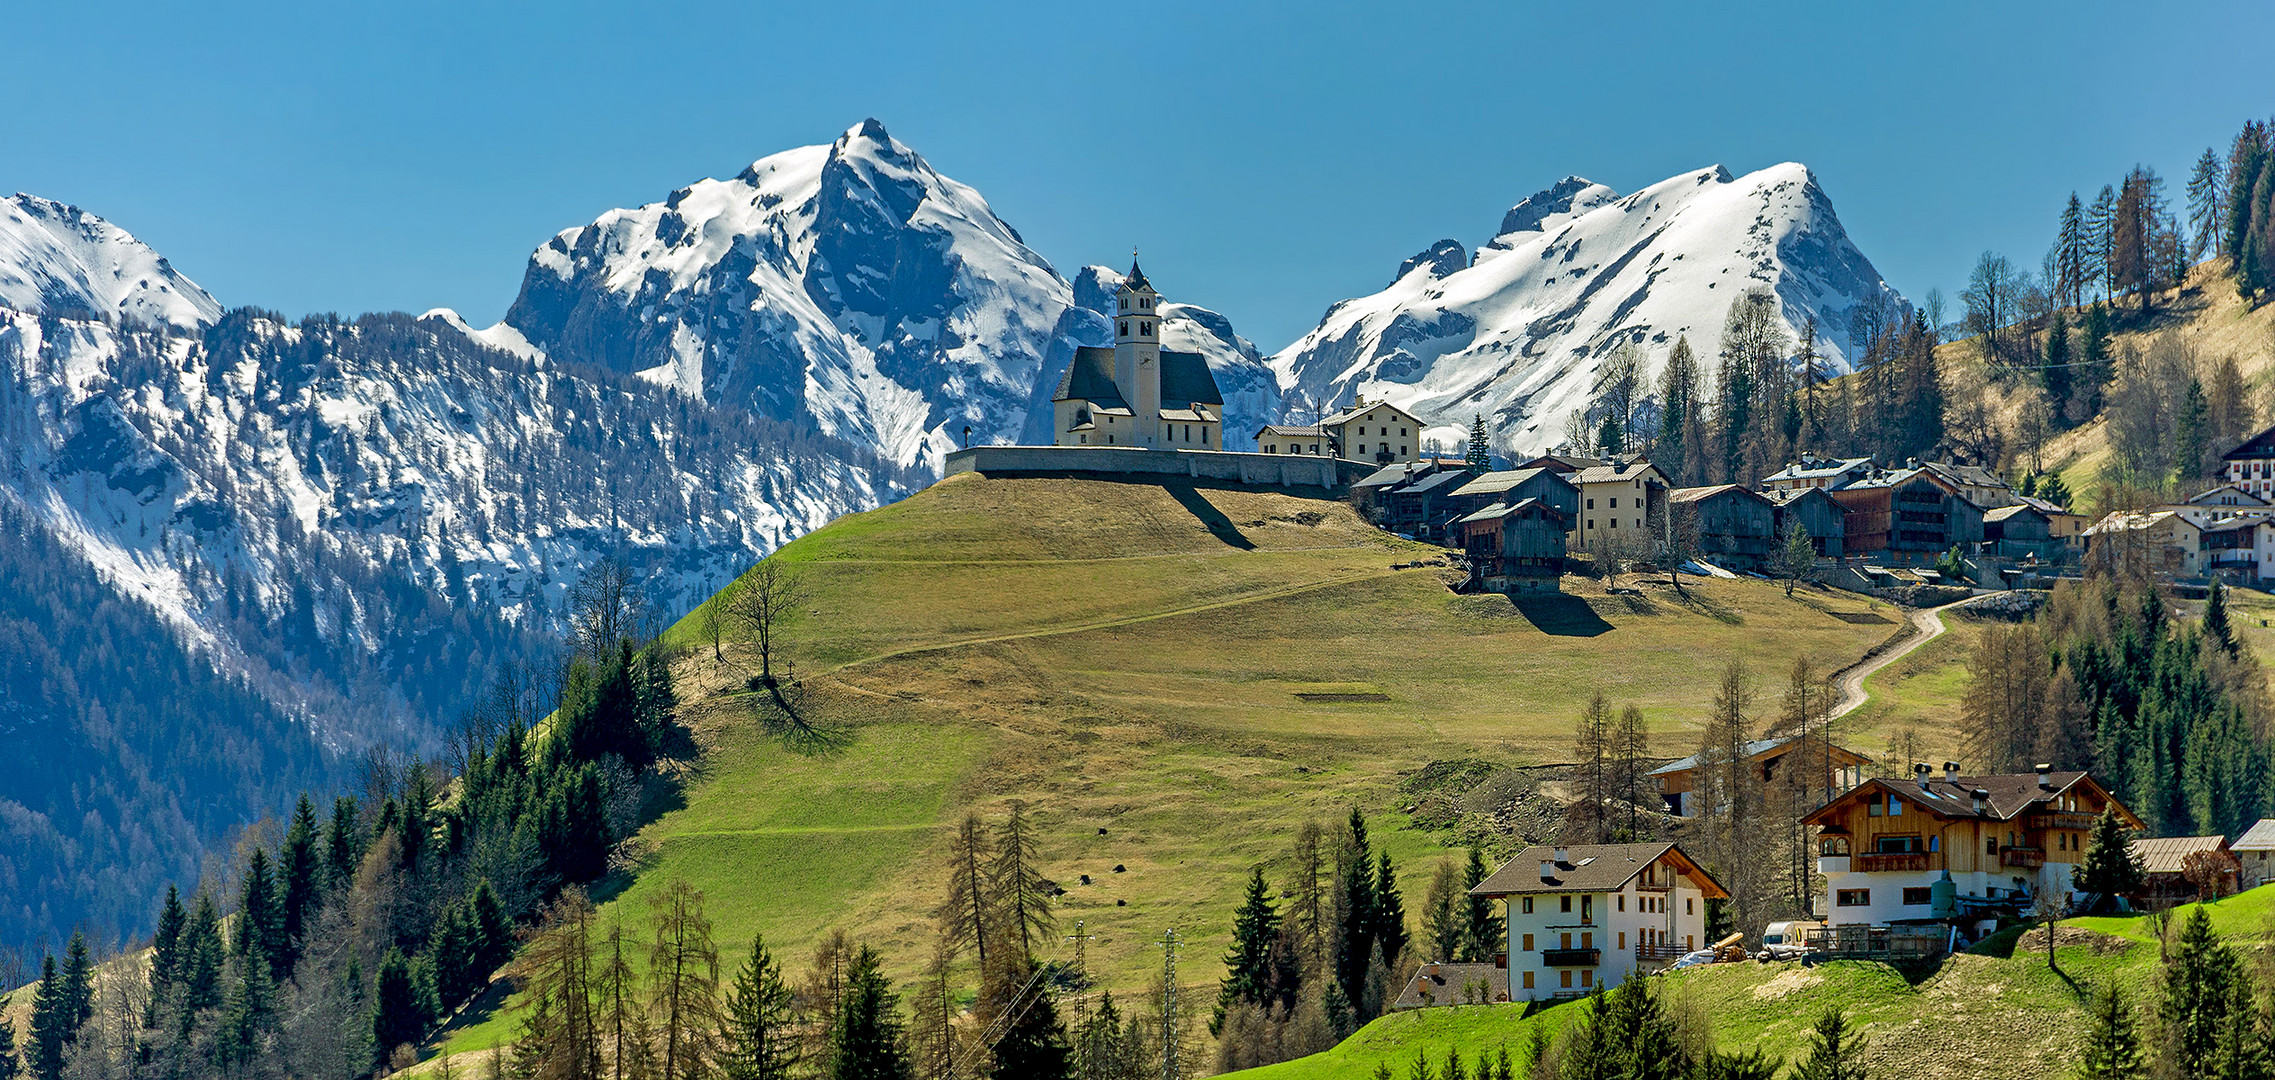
(1927, 625)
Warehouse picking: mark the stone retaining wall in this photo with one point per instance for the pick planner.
(1258, 470)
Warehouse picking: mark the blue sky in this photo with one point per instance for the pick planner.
(1269, 158)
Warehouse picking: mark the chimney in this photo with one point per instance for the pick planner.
(1920, 772)
(1547, 870)
(2045, 781)
(1982, 800)
(1563, 855)
(1950, 772)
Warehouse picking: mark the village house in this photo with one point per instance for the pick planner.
(2021, 531)
(1510, 486)
(1734, 526)
(1910, 515)
(2065, 525)
(1954, 848)
(1376, 431)
(1514, 547)
(2255, 853)
(1837, 769)
(2251, 466)
(1822, 519)
(1454, 984)
(1137, 393)
(1976, 484)
(1421, 506)
(1590, 916)
(2169, 862)
(1622, 503)
(2158, 542)
(1820, 473)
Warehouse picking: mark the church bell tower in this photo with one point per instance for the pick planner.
(1137, 353)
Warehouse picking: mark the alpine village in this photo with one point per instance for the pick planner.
(1838, 686)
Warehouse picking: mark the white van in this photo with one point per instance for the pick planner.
(1787, 940)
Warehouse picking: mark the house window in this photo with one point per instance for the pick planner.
(1591, 523)
(1528, 910)
(1587, 977)
(1147, 327)
(1615, 505)
(1567, 903)
(1565, 977)
(1991, 846)
(1615, 523)
(1915, 896)
(1528, 943)
(1125, 329)
(1896, 845)
(1623, 940)
(1874, 809)
(1690, 905)
(1591, 504)
(1623, 901)
(1566, 941)
(1587, 941)
(1895, 806)
(1528, 980)
(1853, 898)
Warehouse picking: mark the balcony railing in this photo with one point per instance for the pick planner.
(1571, 957)
(1886, 861)
(2027, 858)
(1659, 952)
(2049, 819)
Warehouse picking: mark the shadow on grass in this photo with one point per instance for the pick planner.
(1561, 615)
(1209, 516)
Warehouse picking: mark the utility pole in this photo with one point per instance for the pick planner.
(1170, 1067)
(1081, 939)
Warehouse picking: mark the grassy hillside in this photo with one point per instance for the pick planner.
(1174, 679)
(1983, 1017)
(2205, 313)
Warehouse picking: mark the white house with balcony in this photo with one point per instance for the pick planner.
(1953, 849)
(1594, 915)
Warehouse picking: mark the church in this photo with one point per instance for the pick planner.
(1137, 393)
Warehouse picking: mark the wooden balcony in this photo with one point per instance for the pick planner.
(2058, 820)
(1891, 861)
(1571, 957)
(2025, 858)
(1659, 953)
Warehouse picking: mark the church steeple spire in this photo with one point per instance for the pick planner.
(1137, 351)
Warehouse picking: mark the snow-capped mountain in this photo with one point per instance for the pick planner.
(60, 260)
(849, 286)
(1574, 273)
(1251, 393)
(346, 530)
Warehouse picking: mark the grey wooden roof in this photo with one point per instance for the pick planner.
(1586, 868)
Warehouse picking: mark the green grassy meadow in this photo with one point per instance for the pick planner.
(1985, 1017)
(1127, 659)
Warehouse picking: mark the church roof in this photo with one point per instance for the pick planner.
(1090, 377)
(1185, 380)
(1136, 280)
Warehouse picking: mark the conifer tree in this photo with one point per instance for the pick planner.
(1020, 896)
(2072, 254)
(165, 954)
(967, 916)
(1248, 964)
(1036, 1045)
(1480, 454)
(259, 929)
(298, 871)
(1390, 912)
(395, 1017)
(1592, 748)
(10, 1064)
(1835, 1050)
(865, 1040)
(2208, 205)
(683, 981)
(202, 957)
(2202, 977)
(758, 1040)
(2054, 370)
(1484, 934)
(2216, 625)
(343, 845)
(52, 1030)
(1354, 944)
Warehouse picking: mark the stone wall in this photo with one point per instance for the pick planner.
(1257, 470)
